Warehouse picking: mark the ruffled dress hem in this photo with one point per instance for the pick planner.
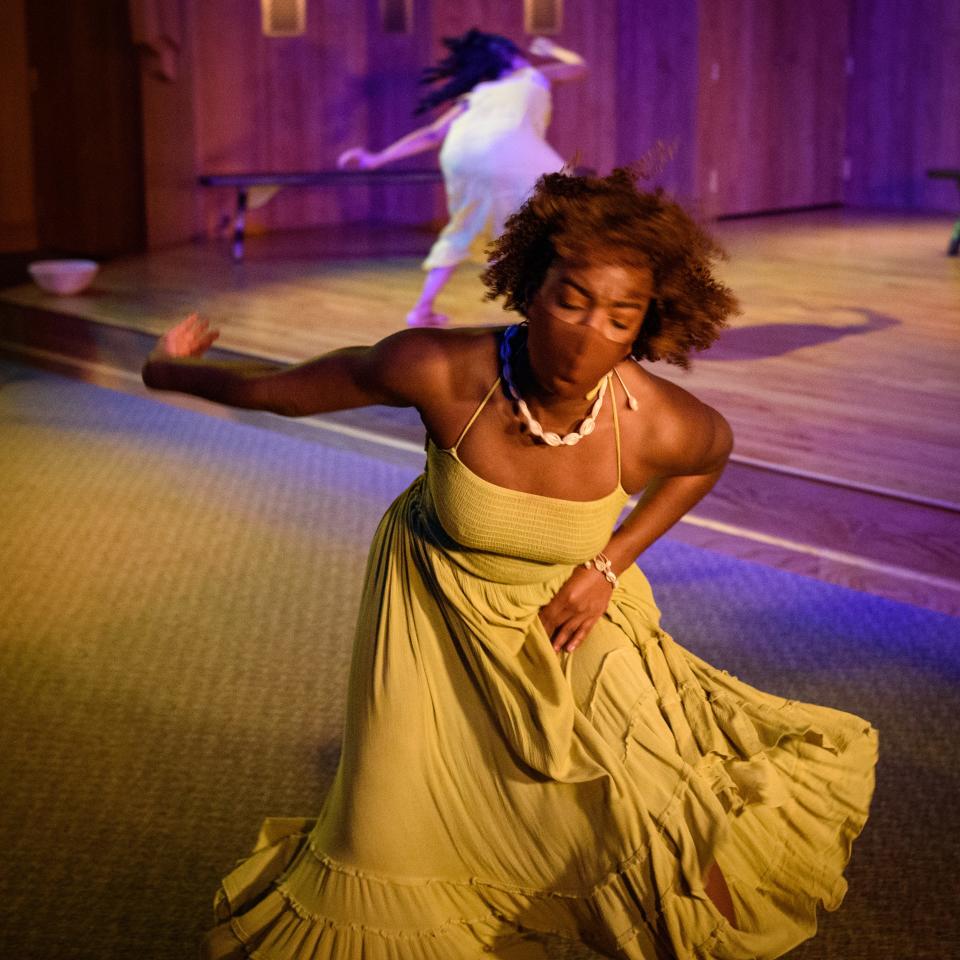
(262, 917)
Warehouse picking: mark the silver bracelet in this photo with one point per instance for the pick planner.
(601, 562)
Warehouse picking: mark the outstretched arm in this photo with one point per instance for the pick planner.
(405, 369)
(421, 140)
(567, 65)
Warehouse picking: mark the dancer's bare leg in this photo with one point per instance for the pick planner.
(719, 892)
(422, 314)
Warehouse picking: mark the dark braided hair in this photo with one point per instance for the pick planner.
(474, 57)
(583, 219)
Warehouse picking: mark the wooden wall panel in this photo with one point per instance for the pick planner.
(656, 86)
(291, 103)
(312, 107)
(772, 89)
(753, 92)
(18, 217)
(494, 16)
(389, 92)
(87, 131)
(904, 113)
(170, 152)
(296, 103)
(585, 111)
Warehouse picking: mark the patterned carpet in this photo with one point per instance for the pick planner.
(175, 625)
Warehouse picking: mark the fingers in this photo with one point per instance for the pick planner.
(571, 634)
(575, 609)
(190, 337)
(554, 626)
(188, 326)
(580, 634)
(540, 46)
(200, 329)
(559, 640)
(351, 159)
(567, 625)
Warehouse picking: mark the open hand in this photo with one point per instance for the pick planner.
(575, 609)
(191, 337)
(541, 47)
(356, 158)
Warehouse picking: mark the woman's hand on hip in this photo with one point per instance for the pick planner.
(575, 609)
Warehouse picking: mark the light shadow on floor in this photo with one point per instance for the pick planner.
(764, 340)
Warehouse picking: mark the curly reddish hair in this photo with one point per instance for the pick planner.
(608, 219)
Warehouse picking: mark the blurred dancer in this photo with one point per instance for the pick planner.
(493, 144)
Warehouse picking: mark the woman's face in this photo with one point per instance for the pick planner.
(583, 322)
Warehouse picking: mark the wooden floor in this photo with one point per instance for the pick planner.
(841, 377)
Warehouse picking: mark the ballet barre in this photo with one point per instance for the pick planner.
(950, 174)
(244, 182)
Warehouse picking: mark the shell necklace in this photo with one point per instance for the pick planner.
(550, 438)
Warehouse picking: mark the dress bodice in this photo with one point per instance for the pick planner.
(520, 98)
(481, 515)
(505, 124)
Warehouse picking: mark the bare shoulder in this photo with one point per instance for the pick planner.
(680, 434)
(426, 367)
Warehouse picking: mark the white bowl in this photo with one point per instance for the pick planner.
(63, 277)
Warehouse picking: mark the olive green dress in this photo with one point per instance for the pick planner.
(490, 789)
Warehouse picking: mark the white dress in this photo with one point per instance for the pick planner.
(491, 158)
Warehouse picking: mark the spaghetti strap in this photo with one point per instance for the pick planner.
(616, 426)
(476, 413)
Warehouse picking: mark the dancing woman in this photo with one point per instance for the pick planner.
(526, 751)
(493, 144)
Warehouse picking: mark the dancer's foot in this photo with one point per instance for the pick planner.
(419, 317)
